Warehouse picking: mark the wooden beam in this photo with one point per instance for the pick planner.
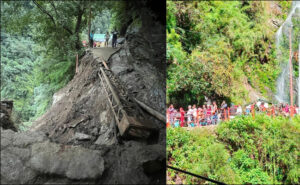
(153, 112)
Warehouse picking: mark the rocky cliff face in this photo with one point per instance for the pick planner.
(5, 115)
(76, 140)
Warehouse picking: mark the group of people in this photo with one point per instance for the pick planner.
(107, 37)
(211, 114)
(201, 116)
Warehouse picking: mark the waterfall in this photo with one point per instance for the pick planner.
(282, 88)
(299, 76)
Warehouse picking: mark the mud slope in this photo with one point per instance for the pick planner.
(76, 140)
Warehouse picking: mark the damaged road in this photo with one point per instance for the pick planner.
(76, 140)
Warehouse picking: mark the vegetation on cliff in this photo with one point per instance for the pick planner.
(217, 48)
(263, 150)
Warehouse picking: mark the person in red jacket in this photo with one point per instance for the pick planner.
(181, 117)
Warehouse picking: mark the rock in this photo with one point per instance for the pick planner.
(80, 136)
(135, 163)
(29, 157)
(120, 40)
(105, 139)
(95, 131)
(6, 138)
(103, 117)
(22, 153)
(57, 97)
(72, 162)
(153, 158)
(103, 129)
(13, 169)
(23, 139)
(5, 113)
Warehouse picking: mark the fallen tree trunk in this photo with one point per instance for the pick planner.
(151, 111)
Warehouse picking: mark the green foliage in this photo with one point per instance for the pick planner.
(266, 145)
(285, 5)
(17, 61)
(124, 13)
(101, 22)
(295, 42)
(243, 150)
(30, 77)
(198, 152)
(39, 41)
(217, 48)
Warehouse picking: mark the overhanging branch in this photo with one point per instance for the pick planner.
(44, 11)
(51, 17)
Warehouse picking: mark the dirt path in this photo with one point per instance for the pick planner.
(104, 52)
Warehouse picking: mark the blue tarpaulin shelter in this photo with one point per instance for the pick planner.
(99, 37)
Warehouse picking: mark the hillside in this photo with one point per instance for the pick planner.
(223, 51)
(263, 150)
(77, 140)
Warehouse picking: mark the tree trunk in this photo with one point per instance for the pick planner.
(90, 16)
(77, 28)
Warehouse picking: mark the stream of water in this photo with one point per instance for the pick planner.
(299, 75)
(282, 89)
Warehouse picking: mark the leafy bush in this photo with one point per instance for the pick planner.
(263, 150)
(272, 143)
(198, 152)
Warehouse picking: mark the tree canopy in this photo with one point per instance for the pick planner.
(39, 41)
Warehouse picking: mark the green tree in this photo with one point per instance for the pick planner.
(217, 49)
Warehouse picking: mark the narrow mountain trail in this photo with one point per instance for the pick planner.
(104, 52)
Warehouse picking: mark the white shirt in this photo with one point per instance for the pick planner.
(239, 110)
(266, 105)
(195, 112)
(190, 112)
(258, 103)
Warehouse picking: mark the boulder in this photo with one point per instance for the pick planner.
(29, 156)
(72, 162)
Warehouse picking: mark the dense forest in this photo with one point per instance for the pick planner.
(39, 43)
(223, 51)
